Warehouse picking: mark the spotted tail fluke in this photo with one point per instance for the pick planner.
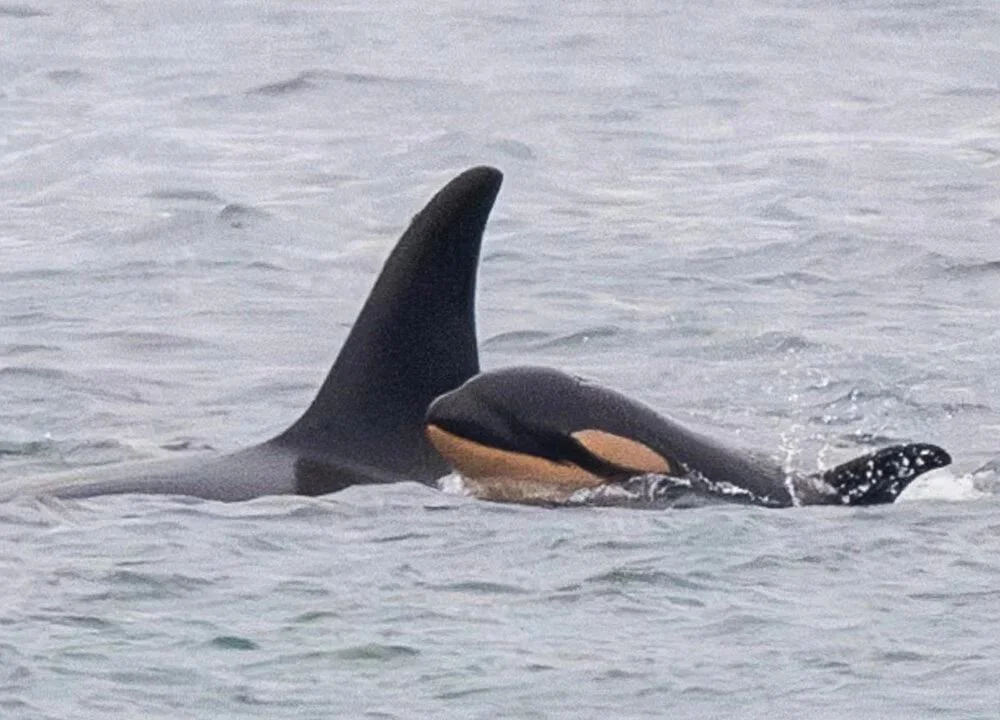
(881, 476)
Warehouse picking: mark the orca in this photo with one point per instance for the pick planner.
(536, 435)
(414, 339)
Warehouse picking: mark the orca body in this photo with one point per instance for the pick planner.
(537, 435)
(414, 340)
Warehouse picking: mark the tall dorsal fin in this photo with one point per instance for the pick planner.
(414, 339)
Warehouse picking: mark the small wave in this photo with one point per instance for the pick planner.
(504, 256)
(36, 275)
(302, 81)
(99, 452)
(765, 345)
(901, 656)
(372, 79)
(618, 115)
(972, 269)
(866, 439)
(513, 148)
(986, 479)
(187, 445)
(184, 194)
(536, 339)
(376, 651)
(21, 12)
(516, 338)
(793, 279)
(314, 616)
(480, 587)
(134, 585)
(231, 642)
(237, 215)
(278, 508)
(87, 622)
(452, 695)
(36, 372)
(580, 338)
(780, 211)
(311, 79)
(973, 91)
(847, 405)
(67, 77)
(402, 537)
(27, 349)
(943, 485)
(636, 576)
(149, 340)
(28, 449)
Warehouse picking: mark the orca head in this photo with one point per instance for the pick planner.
(533, 434)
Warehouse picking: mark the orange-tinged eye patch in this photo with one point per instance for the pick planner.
(622, 451)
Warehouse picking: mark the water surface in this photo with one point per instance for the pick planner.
(774, 219)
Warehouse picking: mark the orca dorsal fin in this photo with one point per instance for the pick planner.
(414, 339)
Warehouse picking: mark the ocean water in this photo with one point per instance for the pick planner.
(777, 219)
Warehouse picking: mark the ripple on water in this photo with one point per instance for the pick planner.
(232, 642)
(135, 585)
(651, 175)
(480, 587)
(538, 340)
(626, 576)
(513, 148)
(376, 652)
(298, 83)
(765, 345)
(192, 194)
(27, 449)
(21, 12)
(516, 339)
(19, 350)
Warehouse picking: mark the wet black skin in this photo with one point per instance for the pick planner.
(414, 339)
(534, 410)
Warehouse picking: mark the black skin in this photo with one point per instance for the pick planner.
(534, 410)
(414, 339)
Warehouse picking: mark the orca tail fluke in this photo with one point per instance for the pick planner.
(880, 477)
(414, 339)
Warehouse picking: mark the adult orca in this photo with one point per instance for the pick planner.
(537, 435)
(414, 340)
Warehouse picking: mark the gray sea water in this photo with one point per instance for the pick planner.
(775, 218)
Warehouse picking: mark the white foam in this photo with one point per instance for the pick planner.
(453, 484)
(942, 484)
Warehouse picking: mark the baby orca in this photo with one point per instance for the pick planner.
(537, 435)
